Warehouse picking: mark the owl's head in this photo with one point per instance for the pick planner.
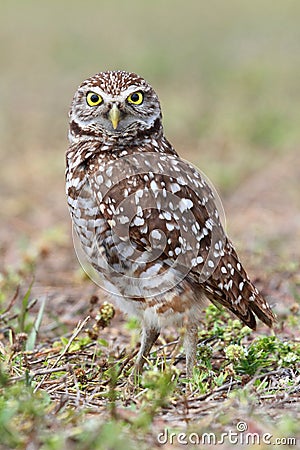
(113, 104)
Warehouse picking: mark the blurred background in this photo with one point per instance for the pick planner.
(227, 74)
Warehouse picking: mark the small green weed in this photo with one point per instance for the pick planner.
(266, 352)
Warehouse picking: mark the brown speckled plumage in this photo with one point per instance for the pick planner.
(147, 220)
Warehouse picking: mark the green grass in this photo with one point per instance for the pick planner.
(74, 393)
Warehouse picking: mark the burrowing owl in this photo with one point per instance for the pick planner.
(147, 220)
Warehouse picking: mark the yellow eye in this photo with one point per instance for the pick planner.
(93, 99)
(136, 98)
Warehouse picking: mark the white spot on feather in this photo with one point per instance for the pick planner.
(184, 204)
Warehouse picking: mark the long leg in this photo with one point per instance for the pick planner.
(149, 336)
(190, 347)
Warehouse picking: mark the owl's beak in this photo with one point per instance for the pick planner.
(114, 116)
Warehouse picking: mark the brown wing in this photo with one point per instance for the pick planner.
(163, 206)
(231, 287)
